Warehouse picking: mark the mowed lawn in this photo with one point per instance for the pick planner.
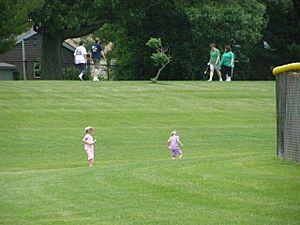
(229, 173)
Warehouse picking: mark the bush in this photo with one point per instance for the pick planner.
(72, 73)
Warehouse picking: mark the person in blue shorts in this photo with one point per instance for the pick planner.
(97, 52)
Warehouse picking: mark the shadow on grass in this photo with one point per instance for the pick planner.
(160, 83)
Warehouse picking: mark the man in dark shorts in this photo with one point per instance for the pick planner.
(96, 56)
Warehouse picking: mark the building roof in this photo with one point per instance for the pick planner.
(4, 66)
(69, 44)
(25, 36)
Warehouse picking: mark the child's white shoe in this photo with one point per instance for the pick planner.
(180, 156)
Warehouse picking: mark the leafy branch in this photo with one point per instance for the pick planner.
(161, 57)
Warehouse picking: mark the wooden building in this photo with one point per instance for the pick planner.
(27, 53)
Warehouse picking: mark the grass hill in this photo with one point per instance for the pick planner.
(229, 173)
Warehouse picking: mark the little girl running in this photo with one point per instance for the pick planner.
(89, 142)
(173, 145)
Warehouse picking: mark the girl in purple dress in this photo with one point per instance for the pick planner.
(173, 145)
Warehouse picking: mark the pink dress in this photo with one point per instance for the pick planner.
(89, 148)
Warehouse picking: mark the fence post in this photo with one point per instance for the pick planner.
(24, 59)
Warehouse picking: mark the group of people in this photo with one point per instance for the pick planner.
(95, 54)
(89, 143)
(221, 64)
(218, 63)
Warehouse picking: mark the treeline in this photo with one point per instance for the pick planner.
(263, 34)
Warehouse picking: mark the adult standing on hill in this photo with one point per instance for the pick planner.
(227, 63)
(80, 59)
(97, 52)
(214, 62)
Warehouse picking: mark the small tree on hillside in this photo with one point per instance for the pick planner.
(161, 57)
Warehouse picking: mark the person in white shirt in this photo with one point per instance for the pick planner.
(80, 59)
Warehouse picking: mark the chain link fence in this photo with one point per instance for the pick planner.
(31, 70)
(288, 113)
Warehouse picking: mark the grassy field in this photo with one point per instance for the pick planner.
(229, 173)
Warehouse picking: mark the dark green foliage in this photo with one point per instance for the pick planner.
(59, 20)
(158, 58)
(166, 21)
(222, 23)
(187, 28)
(73, 72)
(282, 35)
(14, 20)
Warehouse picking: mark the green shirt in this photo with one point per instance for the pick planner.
(226, 59)
(214, 55)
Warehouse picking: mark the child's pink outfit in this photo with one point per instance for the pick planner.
(174, 141)
(89, 148)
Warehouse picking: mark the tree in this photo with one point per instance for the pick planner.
(283, 30)
(14, 20)
(58, 20)
(160, 57)
(133, 31)
(231, 22)
(280, 43)
(187, 27)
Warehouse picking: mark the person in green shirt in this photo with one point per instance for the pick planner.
(214, 62)
(227, 63)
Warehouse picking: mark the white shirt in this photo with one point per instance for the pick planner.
(79, 54)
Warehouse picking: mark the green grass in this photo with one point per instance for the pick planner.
(229, 173)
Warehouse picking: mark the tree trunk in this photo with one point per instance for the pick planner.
(154, 79)
(51, 56)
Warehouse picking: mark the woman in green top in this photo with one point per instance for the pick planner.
(214, 62)
(227, 63)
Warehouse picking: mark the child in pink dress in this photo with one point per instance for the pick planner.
(173, 145)
(89, 142)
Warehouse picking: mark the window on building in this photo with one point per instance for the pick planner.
(37, 70)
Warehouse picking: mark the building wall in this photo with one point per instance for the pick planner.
(67, 57)
(33, 55)
(14, 57)
(6, 74)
